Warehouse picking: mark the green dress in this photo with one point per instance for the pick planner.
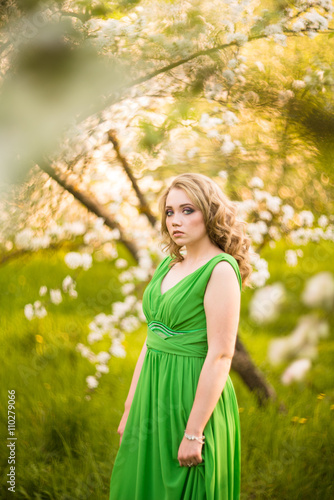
(146, 466)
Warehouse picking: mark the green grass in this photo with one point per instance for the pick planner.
(66, 444)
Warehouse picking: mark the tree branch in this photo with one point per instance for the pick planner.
(88, 201)
(144, 207)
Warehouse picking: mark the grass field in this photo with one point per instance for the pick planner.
(66, 444)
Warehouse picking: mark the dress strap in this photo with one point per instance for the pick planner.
(227, 258)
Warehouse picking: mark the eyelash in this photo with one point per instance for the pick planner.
(189, 209)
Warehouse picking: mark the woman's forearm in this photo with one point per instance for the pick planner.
(210, 385)
(135, 377)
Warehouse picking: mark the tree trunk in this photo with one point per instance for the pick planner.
(251, 375)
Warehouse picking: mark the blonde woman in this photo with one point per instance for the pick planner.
(180, 431)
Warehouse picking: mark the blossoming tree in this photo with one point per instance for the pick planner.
(130, 94)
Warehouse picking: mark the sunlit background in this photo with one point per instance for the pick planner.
(102, 103)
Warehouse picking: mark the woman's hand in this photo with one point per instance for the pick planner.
(189, 452)
(122, 424)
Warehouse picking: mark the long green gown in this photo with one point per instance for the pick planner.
(146, 466)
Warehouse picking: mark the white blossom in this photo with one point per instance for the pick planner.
(280, 39)
(306, 217)
(73, 260)
(102, 368)
(86, 260)
(67, 283)
(298, 25)
(232, 63)
(120, 309)
(228, 145)
(288, 213)
(311, 34)
(85, 351)
(265, 303)
(76, 228)
(274, 234)
(117, 350)
(24, 238)
(121, 263)
(29, 311)
(43, 290)
(230, 118)
(93, 337)
(130, 323)
(223, 174)
(296, 371)
(55, 296)
(260, 66)
(229, 76)
(257, 230)
(298, 84)
(256, 182)
(302, 341)
(260, 195)
(192, 152)
(323, 221)
(265, 215)
(125, 276)
(40, 242)
(272, 29)
(273, 203)
(239, 38)
(319, 291)
(39, 309)
(103, 357)
(316, 21)
(291, 258)
(213, 134)
(92, 382)
(209, 121)
(127, 288)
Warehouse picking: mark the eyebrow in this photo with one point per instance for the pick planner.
(183, 205)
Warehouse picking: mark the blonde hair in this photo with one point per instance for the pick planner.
(219, 213)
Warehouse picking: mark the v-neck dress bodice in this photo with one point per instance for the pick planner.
(146, 465)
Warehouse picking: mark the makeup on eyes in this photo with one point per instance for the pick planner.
(188, 208)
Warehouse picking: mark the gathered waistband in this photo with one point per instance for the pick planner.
(162, 338)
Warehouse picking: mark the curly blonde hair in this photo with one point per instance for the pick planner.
(219, 213)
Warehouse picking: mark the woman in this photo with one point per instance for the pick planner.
(180, 431)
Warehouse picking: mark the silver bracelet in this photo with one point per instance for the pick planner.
(198, 438)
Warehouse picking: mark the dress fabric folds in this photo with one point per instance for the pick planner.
(146, 466)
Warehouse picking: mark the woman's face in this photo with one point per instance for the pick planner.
(182, 215)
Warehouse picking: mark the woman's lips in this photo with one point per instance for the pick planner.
(178, 233)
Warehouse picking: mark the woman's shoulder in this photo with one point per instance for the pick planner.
(234, 263)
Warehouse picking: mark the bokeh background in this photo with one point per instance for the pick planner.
(102, 103)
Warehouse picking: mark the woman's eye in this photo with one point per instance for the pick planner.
(189, 210)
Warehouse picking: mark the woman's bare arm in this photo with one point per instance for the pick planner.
(222, 326)
(135, 377)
